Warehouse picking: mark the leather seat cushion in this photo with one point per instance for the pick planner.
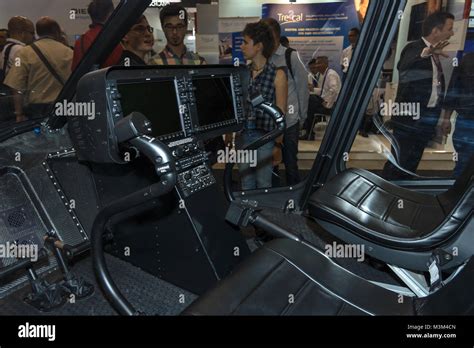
(285, 277)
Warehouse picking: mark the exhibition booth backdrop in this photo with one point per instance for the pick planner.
(313, 27)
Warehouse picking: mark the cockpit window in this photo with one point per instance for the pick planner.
(419, 122)
(315, 40)
(40, 50)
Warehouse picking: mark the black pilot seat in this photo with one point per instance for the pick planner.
(292, 277)
(286, 277)
(399, 226)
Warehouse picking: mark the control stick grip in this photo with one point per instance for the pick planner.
(278, 117)
(157, 152)
(134, 129)
(132, 126)
(272, 110)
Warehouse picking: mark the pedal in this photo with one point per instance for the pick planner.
(45, 297)
(77, 286)
(72, 283)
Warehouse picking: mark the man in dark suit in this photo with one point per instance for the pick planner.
(421, 87)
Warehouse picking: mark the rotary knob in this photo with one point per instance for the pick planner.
(178, 152)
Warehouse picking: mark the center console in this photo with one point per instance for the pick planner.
(194, 172)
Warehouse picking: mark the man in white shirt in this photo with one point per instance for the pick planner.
(21, 33)
(346, 56)
(329, 83)
(324, 96)
(44, 69)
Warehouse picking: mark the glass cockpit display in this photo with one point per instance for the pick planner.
(182, 104)
(214, 101)
(156, 100)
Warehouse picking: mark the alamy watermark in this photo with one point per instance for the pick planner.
(75, 109)
(28, 330)
(237, 156)
(400, 109)
(19, 251)
(345, 251)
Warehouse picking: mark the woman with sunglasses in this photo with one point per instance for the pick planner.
(137, 44)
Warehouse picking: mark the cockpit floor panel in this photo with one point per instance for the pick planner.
(147, 293)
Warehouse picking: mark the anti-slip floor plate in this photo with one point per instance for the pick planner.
(20, 218)
(148, 294)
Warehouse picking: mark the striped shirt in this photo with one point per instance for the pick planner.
(263, 84)
(168, 57)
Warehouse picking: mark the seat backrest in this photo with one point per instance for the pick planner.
(450, 199)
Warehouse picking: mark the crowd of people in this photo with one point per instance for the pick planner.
(33, 72)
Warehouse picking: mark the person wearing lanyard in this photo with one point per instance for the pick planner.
(323, 97)
(21, 33)
(272, 84)
(44, 69)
